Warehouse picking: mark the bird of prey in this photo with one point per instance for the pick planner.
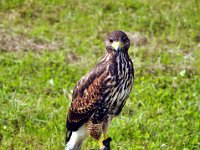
(101, 94)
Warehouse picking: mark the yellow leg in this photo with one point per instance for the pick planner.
(100, 143)
(105, 136)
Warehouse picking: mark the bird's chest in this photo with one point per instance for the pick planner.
(122, 84)
(119, 95)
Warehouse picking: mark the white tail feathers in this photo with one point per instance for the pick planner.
(76, 138)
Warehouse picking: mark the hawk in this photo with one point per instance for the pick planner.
(101, 94)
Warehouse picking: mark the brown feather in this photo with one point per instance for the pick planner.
(102, 93)
(86, 96)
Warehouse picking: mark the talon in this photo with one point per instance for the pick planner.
(106, 143)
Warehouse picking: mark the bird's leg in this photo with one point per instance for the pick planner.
(105, 131)
(100, 143)
(107, 140)
(95, 131)
(105, 127)
(105, 134)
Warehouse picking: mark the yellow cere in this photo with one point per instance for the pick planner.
(117, 45)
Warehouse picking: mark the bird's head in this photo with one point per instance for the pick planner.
(117, 41)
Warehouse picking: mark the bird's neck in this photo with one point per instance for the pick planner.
(112, 56)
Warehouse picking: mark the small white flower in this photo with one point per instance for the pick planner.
(183, 72)
(51, 82)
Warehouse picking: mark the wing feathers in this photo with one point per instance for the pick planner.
(86, 96)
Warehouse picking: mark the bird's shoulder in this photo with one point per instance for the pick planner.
(88, 94)
(90, 81)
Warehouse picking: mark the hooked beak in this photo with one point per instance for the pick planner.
(117, 46)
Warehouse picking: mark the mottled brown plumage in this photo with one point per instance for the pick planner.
(101, 94)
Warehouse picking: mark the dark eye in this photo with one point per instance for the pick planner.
(110, 40)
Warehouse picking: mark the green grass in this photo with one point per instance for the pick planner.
(35, 86)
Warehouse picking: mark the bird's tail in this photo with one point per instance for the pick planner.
(67, 143)
(74, 139)
(68, 135)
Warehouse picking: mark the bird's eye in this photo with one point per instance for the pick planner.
(110, 40)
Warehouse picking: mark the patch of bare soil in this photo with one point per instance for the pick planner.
(11, 41)
(137, 39)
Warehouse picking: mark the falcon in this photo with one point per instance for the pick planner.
(101, 94)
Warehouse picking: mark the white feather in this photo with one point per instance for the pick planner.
(77, 138)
